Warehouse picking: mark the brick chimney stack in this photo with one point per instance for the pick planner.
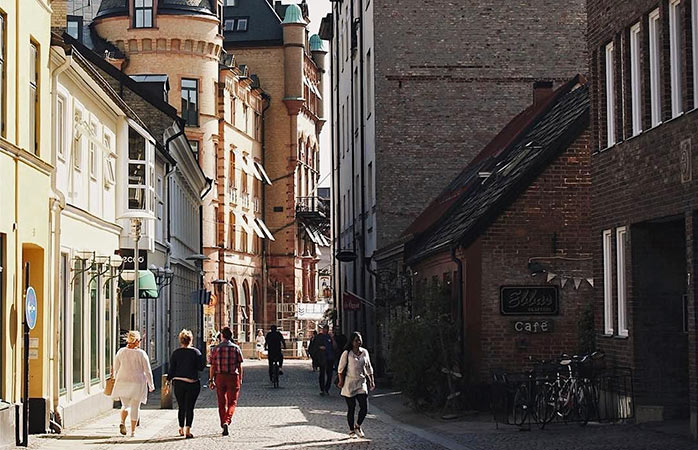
(59, 16)
(542, 91)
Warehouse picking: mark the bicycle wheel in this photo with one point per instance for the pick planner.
(564, 403)
(520, 410)
(583, 404)
(545, 404)
(275, 375)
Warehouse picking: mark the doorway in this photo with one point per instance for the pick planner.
(657, 311)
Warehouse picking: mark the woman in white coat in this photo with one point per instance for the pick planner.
(355, 375)
(133, 379)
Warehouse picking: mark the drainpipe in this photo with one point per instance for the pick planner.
(337, 190)
(364, 267)
(265, 271)
(355, 264)
(57, 204)
(461, 322)
(199, 277)
(168, 264)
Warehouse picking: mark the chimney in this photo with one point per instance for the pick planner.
(542, 91)
(59, 16)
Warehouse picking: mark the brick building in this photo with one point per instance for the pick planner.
(513, 225)
(222, 104)
(418, 89)
(274, 40)
(644, 85)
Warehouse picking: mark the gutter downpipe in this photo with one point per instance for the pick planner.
(199, 276)
(168, 264)
(57, 204)
(337, 266)
(265, 271)
(460, 309)
(364, 268)
(358, 260)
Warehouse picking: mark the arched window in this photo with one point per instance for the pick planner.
(256, 304)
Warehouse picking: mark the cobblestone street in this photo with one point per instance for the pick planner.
(295, 416)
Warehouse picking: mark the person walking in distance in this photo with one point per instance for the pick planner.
(325, 359)
(273, 344)
(259, 344)
(312, 349)
(355, 375)
(225, 376)
(133, 379)
(185, 364)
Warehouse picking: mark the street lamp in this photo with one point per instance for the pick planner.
(136, 219)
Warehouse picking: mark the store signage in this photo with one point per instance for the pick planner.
(529, 300)
(351, 301)
(127, 255)
(532, 326)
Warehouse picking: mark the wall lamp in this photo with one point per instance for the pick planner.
(163, 276)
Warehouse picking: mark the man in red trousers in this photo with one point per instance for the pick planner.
(225, 376)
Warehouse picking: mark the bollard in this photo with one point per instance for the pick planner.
(165, 393)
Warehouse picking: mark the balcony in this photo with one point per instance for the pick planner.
(313, 209)
(234, 196)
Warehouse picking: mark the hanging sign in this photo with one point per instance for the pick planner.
(529, 300)
(127, 255)
(30, 308)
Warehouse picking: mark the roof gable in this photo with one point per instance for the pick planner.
(480, 197)
(263, 24)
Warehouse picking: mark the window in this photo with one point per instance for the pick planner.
(195, 148)
(190, 102)
(607, 283)
(245, 119)
(77, 144)
(610, 96)
(137, 173)
(78, 281)
(357, 110)
(236, 24)
(143, 14)
(230, 3)
(60, 127)
(231, 232)
(675, 57)
(74, 27)
(620, 277)
(2, 73)
(93, 151)
(369, 185)
(33, 97)
(108, 332)
(655, 97)
(94, 329)
(220, 19)
(109, 161)
(369, 84)
(635, 77)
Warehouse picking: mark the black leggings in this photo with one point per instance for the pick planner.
(186, 395)
(363, 409)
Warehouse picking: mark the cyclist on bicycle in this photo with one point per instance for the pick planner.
(274, 341)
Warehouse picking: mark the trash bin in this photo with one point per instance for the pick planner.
(165, 393)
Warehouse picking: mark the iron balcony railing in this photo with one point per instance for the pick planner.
(313, 206)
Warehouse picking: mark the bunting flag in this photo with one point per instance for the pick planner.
(590, 281)
(563, 282)
(577, 282)
(551, 276)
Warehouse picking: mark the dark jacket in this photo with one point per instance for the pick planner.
(186, 363)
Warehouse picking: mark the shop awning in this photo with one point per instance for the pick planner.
(242, 220)
(316, 235)
(265, 229)
(241, 162)
(263, 173)
(253, 224)
(146, 285)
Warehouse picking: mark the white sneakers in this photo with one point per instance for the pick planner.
(359, 432)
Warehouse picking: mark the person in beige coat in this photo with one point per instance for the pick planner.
(355, 375)
(133, 379)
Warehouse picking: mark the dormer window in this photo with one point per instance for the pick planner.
(230, 3)
(143, 14)
(236, 24)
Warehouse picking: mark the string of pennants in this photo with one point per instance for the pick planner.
(577, 281)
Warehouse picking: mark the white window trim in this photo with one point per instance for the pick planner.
(78, 131)
(93, 145)
(621, 234)
(61, 104)
(654, 48)
(607, 283)
(675, 57)
(635, 77)
(694, 33)
(610, 96)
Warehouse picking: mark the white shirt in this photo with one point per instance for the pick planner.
(356, 368)
(132, 375)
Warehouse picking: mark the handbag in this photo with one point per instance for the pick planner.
(109, 386)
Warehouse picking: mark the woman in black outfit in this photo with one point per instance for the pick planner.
(185, 364)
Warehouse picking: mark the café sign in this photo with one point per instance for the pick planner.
(532, 326)
(529, 300)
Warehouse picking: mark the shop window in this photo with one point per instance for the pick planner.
(94, 329)
(78, 283)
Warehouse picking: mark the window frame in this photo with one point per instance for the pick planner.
(34, 86)
(60, 114)
(610, 95)
(3, 77)
(147, 163)
(622, 288)
(190, 90)
(635, 79)
(675, 56)
(143, 8)
(654, 51)
(608, 282)
(79, 21)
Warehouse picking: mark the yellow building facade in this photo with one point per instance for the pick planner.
(25, 199)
